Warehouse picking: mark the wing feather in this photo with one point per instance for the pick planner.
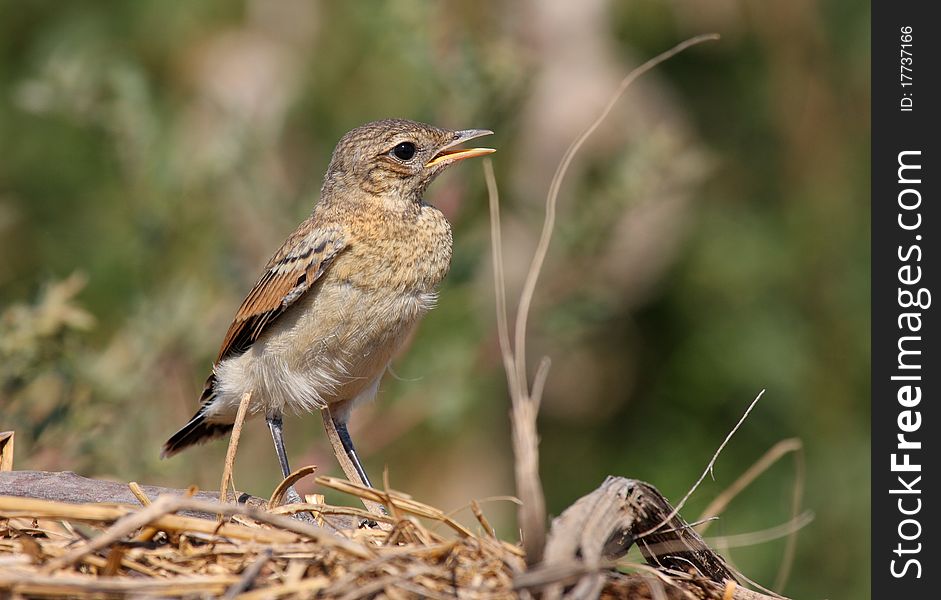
(290, 273)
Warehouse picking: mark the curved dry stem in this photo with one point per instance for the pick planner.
(233, 448)
(797, 496)
(542, 248)
(499, 278)
(532, 511)
(769, 534)
(278, 494)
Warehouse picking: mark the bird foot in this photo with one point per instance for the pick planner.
(292, 497)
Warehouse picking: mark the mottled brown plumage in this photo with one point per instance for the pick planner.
(344, 290)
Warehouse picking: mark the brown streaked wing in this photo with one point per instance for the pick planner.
(288, 275)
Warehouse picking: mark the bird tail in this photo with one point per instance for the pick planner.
(198, 430)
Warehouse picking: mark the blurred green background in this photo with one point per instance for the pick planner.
(713, 240)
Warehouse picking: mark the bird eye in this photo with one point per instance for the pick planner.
(404, 151)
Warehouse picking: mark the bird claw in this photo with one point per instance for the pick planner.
(305, 517)
(292, 497)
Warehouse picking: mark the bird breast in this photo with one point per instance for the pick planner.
(408, 253)
(338, 339)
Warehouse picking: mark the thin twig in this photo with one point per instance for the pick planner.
(149, 532)
(319, 510)
(719, 504)
(779, 450)
(706, 471)
(539, 381)
(499, 278)
(31, 584)
(139, 493)
(402, 502)
(233, 447)
(482, 519)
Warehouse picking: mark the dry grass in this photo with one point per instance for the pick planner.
(57, 549)
(62, 550)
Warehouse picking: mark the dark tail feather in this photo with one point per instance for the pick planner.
(197, 431)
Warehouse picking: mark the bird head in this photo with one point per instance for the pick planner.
(396, 159)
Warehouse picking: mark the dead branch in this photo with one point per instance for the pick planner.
(586, 540)
(66, 486)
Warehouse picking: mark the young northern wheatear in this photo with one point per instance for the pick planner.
(343, 292)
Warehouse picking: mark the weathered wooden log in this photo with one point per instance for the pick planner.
(585, 541)
(66, 486)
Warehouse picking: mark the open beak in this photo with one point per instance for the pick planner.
(446, 155)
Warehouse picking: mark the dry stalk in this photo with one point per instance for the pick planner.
(124, 527)
(345, 463)
(761, 536)
(30, 508)
(395, 501)
(797, 496)
(525, 400)
(278, 494)
(320, 510)
(523, 412)
(31, 584)
(482, 519)
(542, 248)
(149, 532)
(233, 448)
(139, 493)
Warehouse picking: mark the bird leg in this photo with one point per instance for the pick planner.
(277, 435)
(347, 442)
(276, 425)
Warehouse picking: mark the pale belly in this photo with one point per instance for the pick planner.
(331, 347)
